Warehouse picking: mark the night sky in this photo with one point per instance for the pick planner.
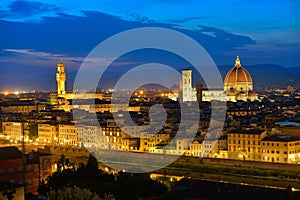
(34, 35)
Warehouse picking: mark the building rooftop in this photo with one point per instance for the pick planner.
(281, 138)
(247, 131)
(9, 153)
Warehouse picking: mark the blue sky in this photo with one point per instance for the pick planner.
(35, 34)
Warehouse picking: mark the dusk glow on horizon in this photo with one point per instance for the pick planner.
(36, 34)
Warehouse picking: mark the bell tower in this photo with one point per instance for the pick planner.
(61, 78)
(187, 89)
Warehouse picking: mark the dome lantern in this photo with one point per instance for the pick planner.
(237, 62)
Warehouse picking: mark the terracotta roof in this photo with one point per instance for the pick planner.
(238, 74)
(250, 131)
(281, 138)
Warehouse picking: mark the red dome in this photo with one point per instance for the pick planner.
(238, 74)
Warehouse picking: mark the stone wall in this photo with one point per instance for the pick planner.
(240, 163)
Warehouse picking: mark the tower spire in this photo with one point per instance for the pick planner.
(61, 78)
(237, 61)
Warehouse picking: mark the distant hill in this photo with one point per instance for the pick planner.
(269, 75)
(263, 75)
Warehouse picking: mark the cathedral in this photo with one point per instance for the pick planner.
(238, 85)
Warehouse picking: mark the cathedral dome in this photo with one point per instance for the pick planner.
(238, 74)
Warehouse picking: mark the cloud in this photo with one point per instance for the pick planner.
(140, 18)
(76, 36)
(187, 19)
(211, 33)
(31, 52)
(28, 9)
(25, 8)
(44, 57)
(173, 1)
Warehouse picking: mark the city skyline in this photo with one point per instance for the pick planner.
(35, 35)
(159, 99)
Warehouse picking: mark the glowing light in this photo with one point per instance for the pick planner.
(5, 93)
(17, 93)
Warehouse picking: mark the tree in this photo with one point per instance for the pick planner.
(33, 131)
(288, 193)
(91, 168)
(63, 163)
(74, 193)
(43, 188)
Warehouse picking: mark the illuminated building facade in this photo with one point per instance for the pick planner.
(47, 133)
(238, 85)
(281, 149)
(61, 78)
(245, 144)
(67, 135)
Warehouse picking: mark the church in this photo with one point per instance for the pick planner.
(238, 85)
